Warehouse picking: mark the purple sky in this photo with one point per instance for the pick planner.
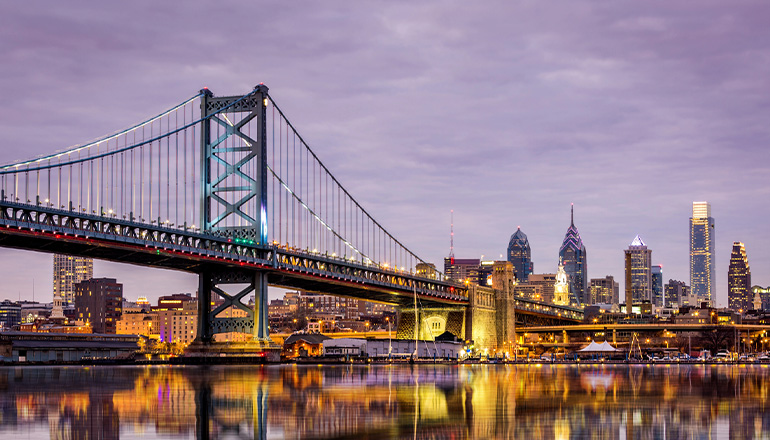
(503, 111)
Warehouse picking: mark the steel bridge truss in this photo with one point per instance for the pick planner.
(234, 206)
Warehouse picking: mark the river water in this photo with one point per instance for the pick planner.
(381, 401)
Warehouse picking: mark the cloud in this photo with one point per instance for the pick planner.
(505, 112)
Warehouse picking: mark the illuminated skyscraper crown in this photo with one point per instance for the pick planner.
(572, 237)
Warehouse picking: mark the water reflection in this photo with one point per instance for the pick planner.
(474, 401)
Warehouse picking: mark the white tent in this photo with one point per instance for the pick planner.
(593, 347)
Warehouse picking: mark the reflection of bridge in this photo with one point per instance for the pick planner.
(226, 188)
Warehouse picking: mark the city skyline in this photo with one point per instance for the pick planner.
(631, 111)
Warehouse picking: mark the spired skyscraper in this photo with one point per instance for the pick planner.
(702, 252)
(739, 295)
(572, 255)
(638, 272)
(520, 254)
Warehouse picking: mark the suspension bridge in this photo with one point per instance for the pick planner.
(226, 188)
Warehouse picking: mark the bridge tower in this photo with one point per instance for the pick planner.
(234, 207)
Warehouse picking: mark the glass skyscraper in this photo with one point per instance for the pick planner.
(657, 285)
(520, 254)
(739, 295)
(572, 255)
(638, 271)
(702, 252)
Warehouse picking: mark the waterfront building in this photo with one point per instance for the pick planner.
(657, 285)
(179, 325)
(573, 256)
(702, 252)
(99, 303)
(739, 295)
(604, 290)
(462, 269)
(138, 323)
(638, 271)
(10, 315)
(520, 254)
(676, 293)
(68, 271)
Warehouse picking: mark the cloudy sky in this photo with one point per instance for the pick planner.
(505, 112)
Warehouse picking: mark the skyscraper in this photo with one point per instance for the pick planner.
(638, 271)
(676, 293)
(520, 254)
(739, 295)
(68, 271)
(657, 285)
(702, 252)
(572, 255)
(604, 290)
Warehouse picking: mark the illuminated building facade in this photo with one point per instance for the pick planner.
(10, 315)
(573, 256)
(68, 271)
(543, 284)
(461, 269)
(639, 271)
(561, 292)
(426, 270)
(739, 294)
(99, 303)
(173, 302)
(764, 295)
(520, 254)
(657, 285)
(138, 323)
(702, 252)
(676, 293)
(179, 325)
(604, 290)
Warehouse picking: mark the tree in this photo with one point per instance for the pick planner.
(717, 339)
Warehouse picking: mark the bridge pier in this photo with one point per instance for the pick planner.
(489, 320)
(255, 322)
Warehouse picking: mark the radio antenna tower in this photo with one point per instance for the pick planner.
(452, 235)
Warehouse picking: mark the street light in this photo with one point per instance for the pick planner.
(387, 318)
(366, 329)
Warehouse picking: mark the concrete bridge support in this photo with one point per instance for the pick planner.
(489, 320)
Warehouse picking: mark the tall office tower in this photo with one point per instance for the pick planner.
(99, 303)
(604, 290)
(638, 271)
(676, 293)
(520, 254)
(739, 295)
(572, 255)
(68, 271)
(702, 252)
(657, 285)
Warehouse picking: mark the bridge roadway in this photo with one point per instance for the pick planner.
(41, 228)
